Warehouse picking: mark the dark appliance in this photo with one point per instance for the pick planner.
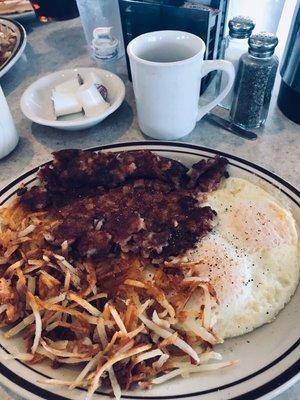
(204, 18)
(55, 10)
(289, 93)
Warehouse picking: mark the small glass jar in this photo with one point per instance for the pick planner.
(101, 14)
(104, 44)
(105, 49)
(233, 46)
(254, 82)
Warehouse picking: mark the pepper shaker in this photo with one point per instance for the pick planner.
(233, 46)
(254, 82)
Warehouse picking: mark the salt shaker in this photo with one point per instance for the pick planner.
(233, 46)
(8, 134)
(254, 82)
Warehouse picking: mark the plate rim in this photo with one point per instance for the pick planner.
(251, 164)
(267, 390)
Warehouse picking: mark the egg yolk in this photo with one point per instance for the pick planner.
(260, 226)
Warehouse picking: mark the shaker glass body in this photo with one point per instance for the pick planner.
(8, 134)
(252, 90)
(233, 46)
(266, 13)
(233, 49)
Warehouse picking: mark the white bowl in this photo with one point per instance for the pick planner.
(37, 105)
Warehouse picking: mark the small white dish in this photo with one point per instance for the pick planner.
(36, 103)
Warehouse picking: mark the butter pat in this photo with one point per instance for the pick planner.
(64, 98)
(65, 103)
(92, 79)
(70, 86)
(70, 97)
(92, 102)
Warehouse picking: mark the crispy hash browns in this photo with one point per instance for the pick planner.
(116, 315)
(8, 40)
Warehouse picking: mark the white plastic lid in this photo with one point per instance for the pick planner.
(104, 44)
(102, 31)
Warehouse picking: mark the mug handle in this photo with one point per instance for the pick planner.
(212, 65)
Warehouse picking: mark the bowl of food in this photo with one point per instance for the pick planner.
(151, 270)
(12, 43)
(73, 99)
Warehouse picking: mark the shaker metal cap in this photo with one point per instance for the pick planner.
(240, 27)
(262, 44)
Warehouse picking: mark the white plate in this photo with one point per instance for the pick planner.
(37, 105)
(269, 356)
(19, 46)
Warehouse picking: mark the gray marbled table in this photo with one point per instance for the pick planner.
(62, 45)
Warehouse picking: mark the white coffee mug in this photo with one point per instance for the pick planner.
(167, 67)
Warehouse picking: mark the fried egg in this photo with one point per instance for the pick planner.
(250, 259)
(252, 219)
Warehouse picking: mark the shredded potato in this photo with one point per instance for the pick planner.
(191, 369)
(84, 304)
(118, 319)
(111, 362)
(38, 322)
(106, 318)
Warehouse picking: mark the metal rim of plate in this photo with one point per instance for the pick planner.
(18, 48)
(267, 390)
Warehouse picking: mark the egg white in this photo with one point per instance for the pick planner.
(251, 258)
